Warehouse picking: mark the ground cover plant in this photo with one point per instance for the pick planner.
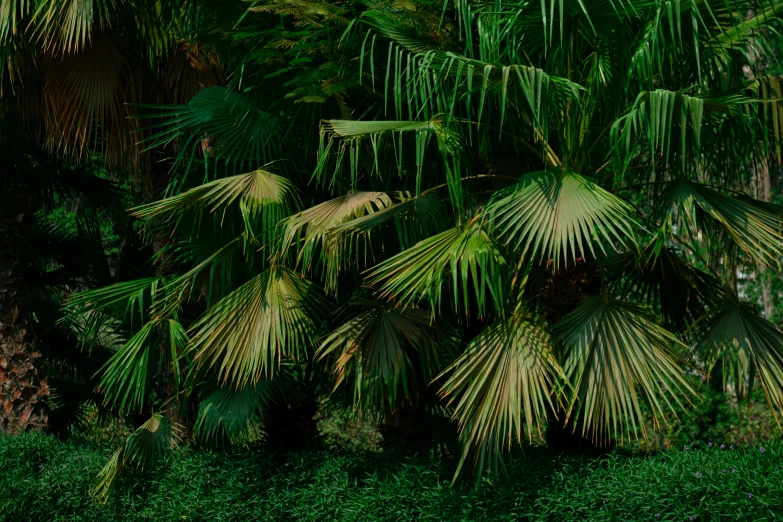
(45, 479)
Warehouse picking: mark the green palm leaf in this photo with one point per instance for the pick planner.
(663, 279)
(750, 225)
(747, 344)
(67, 25)
(232, 127)
(319, 233)
(617, 355)
(244, 336)
(149, 442)
(233, 414)
(416, 218)
(253, 190)
(466, 252)
(350, 134)
(99, 313)
(501, 382)
(264, 200)
(561, 215)
(372, 347)
(125, 375)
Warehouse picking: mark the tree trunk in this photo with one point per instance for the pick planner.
(762, 189)
(763, 184)
(22, 391)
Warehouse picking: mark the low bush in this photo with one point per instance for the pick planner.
(43, 479)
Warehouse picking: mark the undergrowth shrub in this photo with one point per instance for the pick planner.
(44, 479)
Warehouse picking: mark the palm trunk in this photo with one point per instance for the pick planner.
(22, 391)
(565, 289)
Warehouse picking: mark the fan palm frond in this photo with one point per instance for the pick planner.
(67, 26)
(466, 252)
(233, 414)
(560, 215)
(229, 126)
(747, 344)
(372, 348)
(245, 335)
(84, 101)
(751, 227)
(500, 384)
(663, 279)
(252, 190)
(616, 356)
(317, 233)
(149, 442)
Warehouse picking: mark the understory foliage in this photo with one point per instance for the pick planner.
(45, 479)
(471, 219)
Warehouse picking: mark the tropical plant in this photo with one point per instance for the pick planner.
(519, 218)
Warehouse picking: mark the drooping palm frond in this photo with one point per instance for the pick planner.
(246, 334)
(149, 442)
(747, 344)
(751, 227)
(528, 90)
(371, 349)
(560, 215)
(264, 200)
(617, 356)
(317, 233)
(252, 190)
(386, 137)
(466, 253)
(12, 13)
(664, 280)
(84, 101)
(125, 379)
(67, 26)
(501, 385)
(415, 217)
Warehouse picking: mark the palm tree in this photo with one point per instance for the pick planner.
(523, 216)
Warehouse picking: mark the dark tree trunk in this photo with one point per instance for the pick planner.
(23, 392)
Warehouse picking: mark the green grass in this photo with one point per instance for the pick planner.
(43, 479)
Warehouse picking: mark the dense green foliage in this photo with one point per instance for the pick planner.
(46, 480)
(473, 220)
